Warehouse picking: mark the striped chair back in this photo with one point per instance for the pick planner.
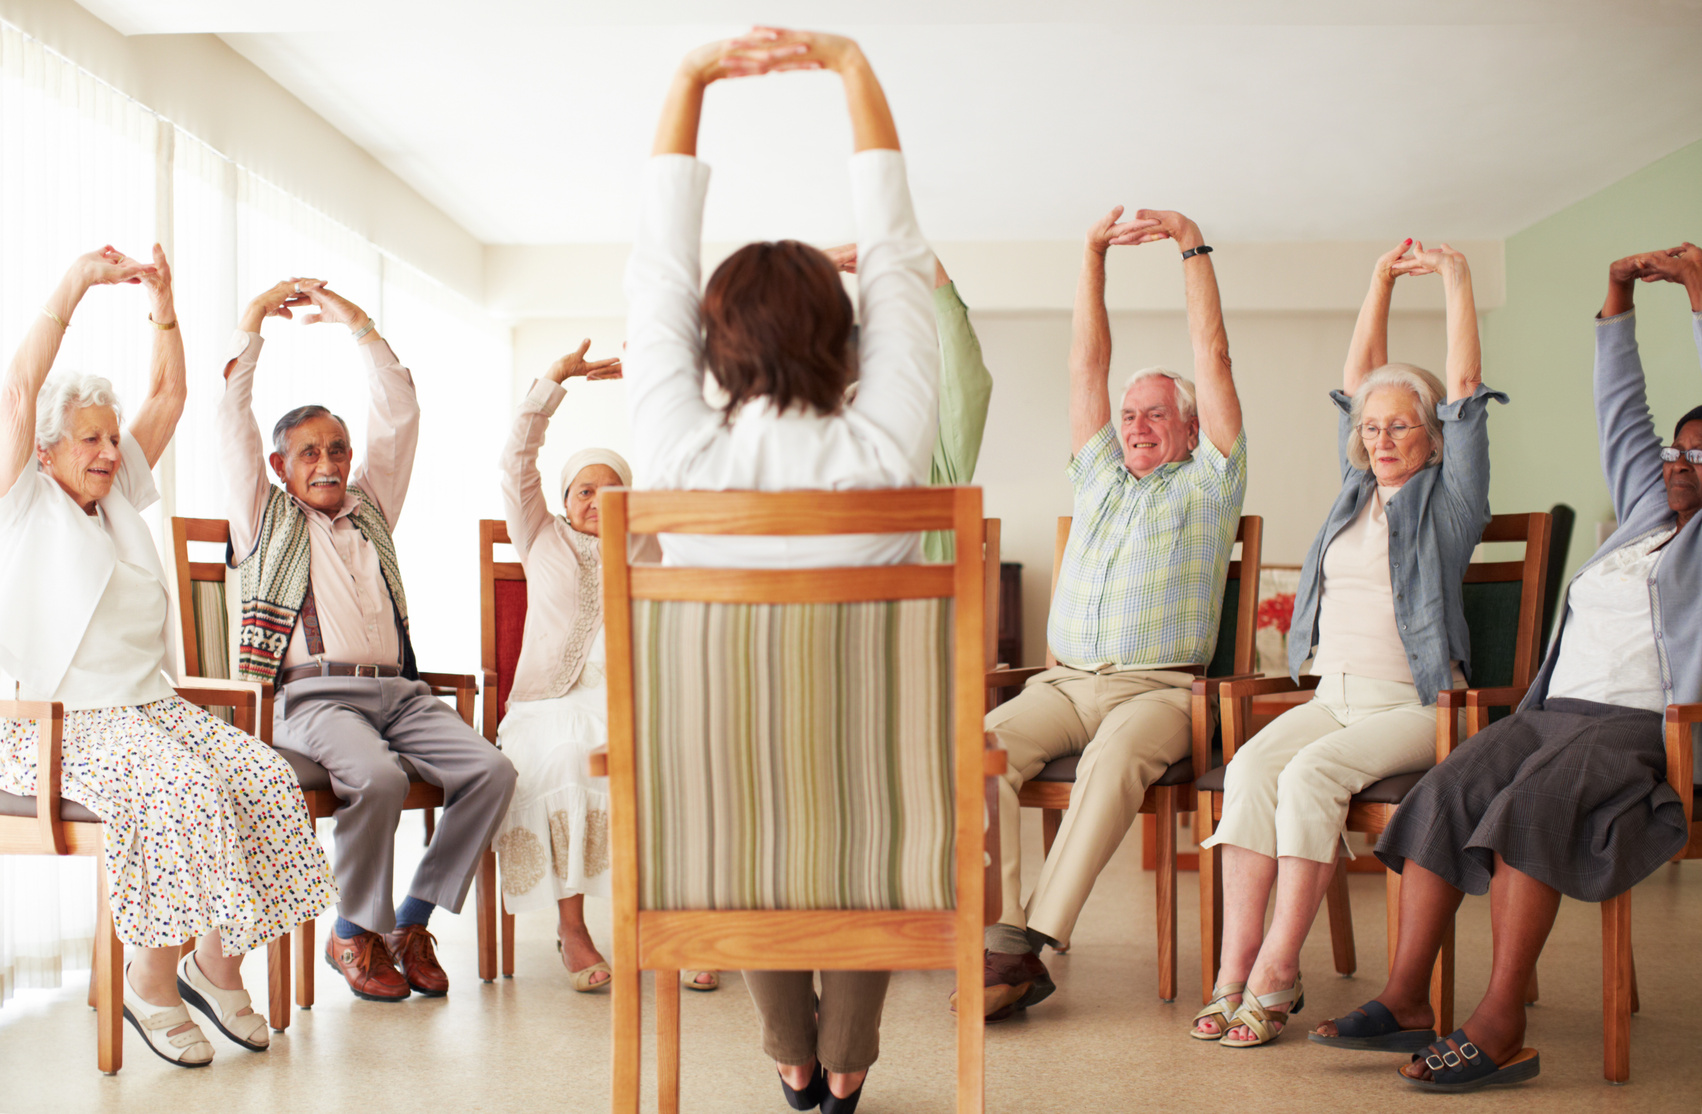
(203, 607)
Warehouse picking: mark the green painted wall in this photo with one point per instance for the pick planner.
(1540, 346)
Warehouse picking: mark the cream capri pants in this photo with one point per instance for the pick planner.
(1286, 791)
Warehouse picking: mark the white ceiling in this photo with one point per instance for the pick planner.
(526, 120)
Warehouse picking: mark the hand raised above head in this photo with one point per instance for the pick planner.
(1167, 224)
(843, 257)
(109, 266)
(1682, 265)
(275, 301)
(766, 50)
(1386, 269)
(158, 282)
(574, 365)
(1439, 260)
(1109, 230)
(334, 309)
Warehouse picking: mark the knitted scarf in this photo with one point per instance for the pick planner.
(276, 575)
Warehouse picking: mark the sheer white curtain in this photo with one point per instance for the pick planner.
(77, 170)
(82, 165)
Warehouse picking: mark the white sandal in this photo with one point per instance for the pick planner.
(189, 1049)
(688, 979)
(221, 1006)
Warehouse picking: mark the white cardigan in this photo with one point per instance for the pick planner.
(55, 562)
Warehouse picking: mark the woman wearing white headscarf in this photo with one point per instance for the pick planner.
(554, 842)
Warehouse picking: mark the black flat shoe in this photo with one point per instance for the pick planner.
(810, 1097)
(833, 1104)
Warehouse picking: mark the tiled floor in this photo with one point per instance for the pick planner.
(1103, 1042)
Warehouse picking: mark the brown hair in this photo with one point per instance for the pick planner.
(777, 324)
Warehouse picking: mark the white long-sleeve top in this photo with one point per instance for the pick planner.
(883, 438)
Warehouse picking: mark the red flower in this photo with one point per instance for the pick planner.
(1278, 612)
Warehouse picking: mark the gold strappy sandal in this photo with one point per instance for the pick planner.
(1220, 1009)
(1258, 1016)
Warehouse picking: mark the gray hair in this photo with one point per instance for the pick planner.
(62, 395)
(1184, 388)
(1422, 385)
(296, 417)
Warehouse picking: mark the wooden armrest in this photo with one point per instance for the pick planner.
(599, 762)
(50, 736)
(1205, 686)
(1007, 678)
(453, 682)
(993, 762)
(1507, 696)
(1452, 698)
(1684, 713)
(1681, 756)
(1264, 686)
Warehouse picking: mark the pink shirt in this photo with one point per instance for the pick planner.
(356, 618)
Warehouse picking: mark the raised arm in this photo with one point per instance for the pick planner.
(1090, 328)
(527, 507)
(168, 377)
(1214, 386)
(1465, 357)
(1369, 349)
(34, 359)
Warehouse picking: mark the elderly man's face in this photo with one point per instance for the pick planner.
(1151, 427)
(581, 498)
(1684, 486)
(316, 467)
(85, 461)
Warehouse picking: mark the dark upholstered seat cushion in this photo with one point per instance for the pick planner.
(25, 806)
(312, 776)
(1064, 770)
(1212, 782)
(1389, 791)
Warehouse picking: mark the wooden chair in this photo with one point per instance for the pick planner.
(1503, 611)
(203, 611)
(1173, 792)
(502, 626)
(651, 929)
(47, 824)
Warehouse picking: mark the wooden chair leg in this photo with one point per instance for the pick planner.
(1392, 913)
(304, 960)
(626, 988)
(1164, 882)
(507, 943)
(1636, 1002)
(485, 910)
(971, 1034)
(1341, 922)
(667, 1042)
(1211, 902)
(430, 825)
(278, 983)
(1531, 990)
(1616, 988)
(1051, 819)
(109, 979)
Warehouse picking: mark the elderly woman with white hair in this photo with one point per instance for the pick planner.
(206, 835)
(554, 842)
(1379, 611)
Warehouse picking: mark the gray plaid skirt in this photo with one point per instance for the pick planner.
(1573, 793)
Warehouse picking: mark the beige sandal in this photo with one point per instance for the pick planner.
(1262, 1020)
(222, 1007)
(582, 978)
(688, 979)
(1219, 1008)
(188, 1049)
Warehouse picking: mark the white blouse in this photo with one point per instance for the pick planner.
(883, 438)
(1357, 631)
(85, 617)
(1608, 653)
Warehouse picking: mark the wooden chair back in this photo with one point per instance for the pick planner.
(671, 939)
(502, 620)
(202, 608)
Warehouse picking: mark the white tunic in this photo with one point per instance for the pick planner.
(1608, 652)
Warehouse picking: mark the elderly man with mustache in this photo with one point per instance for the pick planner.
(1158, 489)
(1569, 794)
(325, 618)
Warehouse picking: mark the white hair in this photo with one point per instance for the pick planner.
(1427, 392)
(64, 394)
(1184, 387)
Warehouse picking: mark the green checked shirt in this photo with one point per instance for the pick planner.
(966, 387)
(1143, 574)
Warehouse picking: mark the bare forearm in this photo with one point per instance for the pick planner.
(676, 131)
(872, 127)
(168, 391)
(1219, 407)
(27, 372)
(1090, 352)
(1369, 348)
(1465, 356)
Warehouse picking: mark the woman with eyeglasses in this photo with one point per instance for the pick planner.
(1569, 794)
(1379, 612)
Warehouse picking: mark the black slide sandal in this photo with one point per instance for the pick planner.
(1375, 1031)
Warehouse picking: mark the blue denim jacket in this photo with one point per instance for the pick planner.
(1631, 459)
(1435, 521)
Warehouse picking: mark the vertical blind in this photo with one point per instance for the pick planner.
(82, 165)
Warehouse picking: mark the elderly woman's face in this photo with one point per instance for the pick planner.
(581, 500)
(85, 461)
(1684, 486)
(1394, 460)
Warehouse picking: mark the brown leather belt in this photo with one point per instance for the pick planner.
(335, 669)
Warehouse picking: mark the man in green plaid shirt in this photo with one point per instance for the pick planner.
(1158, 490)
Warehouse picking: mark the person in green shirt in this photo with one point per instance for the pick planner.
(966, 389)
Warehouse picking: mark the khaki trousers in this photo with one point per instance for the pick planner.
(1286, 792)
(1128, 727)
(841, 1027)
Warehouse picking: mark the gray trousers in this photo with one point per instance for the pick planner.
(359, 729)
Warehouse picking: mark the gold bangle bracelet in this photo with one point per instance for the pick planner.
(162, 328)
(54, 317)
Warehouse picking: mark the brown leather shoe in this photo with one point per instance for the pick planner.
(365, 961)
(1010, 982)
(412, 946)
